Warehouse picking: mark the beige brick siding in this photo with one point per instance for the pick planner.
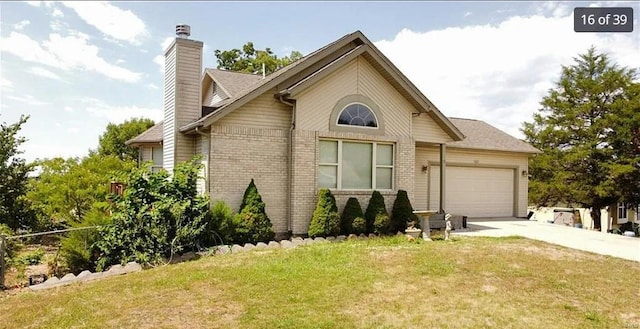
(239, 154)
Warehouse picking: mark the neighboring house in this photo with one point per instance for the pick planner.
(343, 117)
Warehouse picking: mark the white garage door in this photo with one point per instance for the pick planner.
(474, 192)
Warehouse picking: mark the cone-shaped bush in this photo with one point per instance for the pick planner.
(402, 212)
(376, 206)
(252, 224)
(325, 220)
(351, 211)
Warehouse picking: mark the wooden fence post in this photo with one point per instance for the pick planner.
(2, 250)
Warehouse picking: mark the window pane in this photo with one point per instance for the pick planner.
(328, 152)
(384, 154)
(357, 115)
(327, 176)
(383, 178)
(157, 156)
(356, 165)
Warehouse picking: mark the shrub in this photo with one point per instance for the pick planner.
(12, 246)
(156, 217)
(402, 212)
(251, 224)
(220, 226)
(381, 224)
(31, 258)
(376, 206)
(359, 225)
(351, 211)
(325, 220)
(78, 248)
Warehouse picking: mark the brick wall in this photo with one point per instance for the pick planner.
(239, 154)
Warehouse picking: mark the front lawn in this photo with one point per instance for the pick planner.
(376, 283)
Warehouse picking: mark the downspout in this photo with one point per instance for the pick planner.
(290, 165)
(206, 177)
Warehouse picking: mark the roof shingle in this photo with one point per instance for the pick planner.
(151, 135)
(483, 136)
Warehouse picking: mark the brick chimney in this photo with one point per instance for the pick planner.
(182, 99)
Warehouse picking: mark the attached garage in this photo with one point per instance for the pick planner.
(486, 173)
(475, 191)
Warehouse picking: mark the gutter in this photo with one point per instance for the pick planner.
(281, 97)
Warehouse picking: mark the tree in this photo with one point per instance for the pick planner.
(325, 220)
(67, 189)
(112, 141)
(251, 224)
(587, 129)
(14, 208)
(250, 60)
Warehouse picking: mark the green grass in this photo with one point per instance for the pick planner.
(377, 283)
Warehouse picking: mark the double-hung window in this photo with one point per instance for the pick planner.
(355, 165)
(156, 157)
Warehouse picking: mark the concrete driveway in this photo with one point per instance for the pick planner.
(581, 239)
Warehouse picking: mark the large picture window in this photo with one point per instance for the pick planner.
(355, 165)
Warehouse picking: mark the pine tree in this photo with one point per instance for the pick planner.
(251, 223)
(588, 129)
(376, 207)
(351, 211)
(402, 212)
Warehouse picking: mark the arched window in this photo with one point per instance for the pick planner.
(357, 114)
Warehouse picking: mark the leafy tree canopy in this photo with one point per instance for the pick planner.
(112, 141)
(67, 189)
(250, 60)
(588, 129)
(14, 209)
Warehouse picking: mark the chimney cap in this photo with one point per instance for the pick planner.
(183, 31)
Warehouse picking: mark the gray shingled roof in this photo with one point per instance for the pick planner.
(234, 82)
(483, 136)
(151, 135)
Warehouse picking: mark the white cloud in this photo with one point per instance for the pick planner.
(120, 61)
(68, 52)
(27, 99)
(118, 114)
(44, 73)
(21, 25)
(57, 13)
(498, 73)
(5, 84)
(152, 86)
(160, 61)
(112, 21)
(166, 43)
(68, 108)
(467, 14)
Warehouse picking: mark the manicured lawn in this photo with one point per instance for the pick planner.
(376, 283)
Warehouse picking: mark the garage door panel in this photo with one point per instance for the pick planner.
(475, 191)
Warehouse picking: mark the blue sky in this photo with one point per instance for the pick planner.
(76, 66)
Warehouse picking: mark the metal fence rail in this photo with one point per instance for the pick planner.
(4, 238)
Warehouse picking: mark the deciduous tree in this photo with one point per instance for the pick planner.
(250, 60)
(112, 141)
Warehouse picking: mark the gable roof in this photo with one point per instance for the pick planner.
(356, 44)
(233, 83)
(151, 135)
(483, 136)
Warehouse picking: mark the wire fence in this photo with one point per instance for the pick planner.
(3, 245)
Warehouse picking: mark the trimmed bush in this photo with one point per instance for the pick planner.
(325, 220)
(220, 227)
(381, 224)
(402, 212)
(251, 224)
(351, 211)
(359, 225)
(376, 206)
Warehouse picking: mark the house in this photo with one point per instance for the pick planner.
(343, 117)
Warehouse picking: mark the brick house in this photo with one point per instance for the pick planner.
(343, 117)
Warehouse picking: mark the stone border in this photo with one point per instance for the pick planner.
(131, 267)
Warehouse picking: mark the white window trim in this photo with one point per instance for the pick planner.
(155, 166)
(357, 126)
(374, 165)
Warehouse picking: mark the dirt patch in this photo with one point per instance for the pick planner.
(549, 252)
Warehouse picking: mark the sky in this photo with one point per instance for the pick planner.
(73, 67)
